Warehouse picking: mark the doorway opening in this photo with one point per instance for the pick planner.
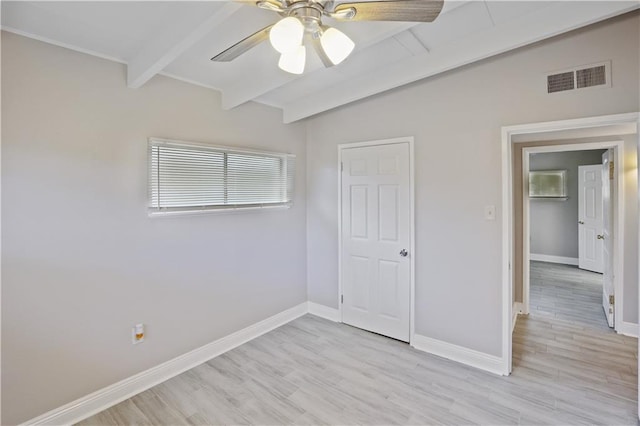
(570, 356)
(572, 223)
(619, 126)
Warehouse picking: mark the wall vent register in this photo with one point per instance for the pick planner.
(595, 75)
(190, 177)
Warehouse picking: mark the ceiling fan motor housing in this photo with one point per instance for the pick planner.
(309, 14)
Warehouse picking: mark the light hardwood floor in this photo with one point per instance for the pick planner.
(568, 293)
(313, 371)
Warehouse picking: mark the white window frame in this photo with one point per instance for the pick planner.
(155, 211)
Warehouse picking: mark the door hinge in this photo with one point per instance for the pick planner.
(612, 299)
(611, 170)
(342, 298)
(341, 166)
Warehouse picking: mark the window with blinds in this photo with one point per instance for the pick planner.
(185, 177)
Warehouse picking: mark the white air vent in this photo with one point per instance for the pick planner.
(560, 82)
(589, 77)
(578, 78)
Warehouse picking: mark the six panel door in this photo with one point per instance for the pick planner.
(590, 218)
(376, 270)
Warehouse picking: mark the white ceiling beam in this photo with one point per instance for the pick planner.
(174, 41)
(249, 90)
(557, 19)
(412, 43)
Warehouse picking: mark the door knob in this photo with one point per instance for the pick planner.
(404, 253)
(601, 237)
(581, 222)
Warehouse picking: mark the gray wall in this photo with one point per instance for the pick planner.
(554, 223)
(82, 262)
(456, 119)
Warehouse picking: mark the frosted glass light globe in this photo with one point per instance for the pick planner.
(294, 61)
(286, 35)
(336, 45)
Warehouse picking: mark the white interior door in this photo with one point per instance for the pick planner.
(376, 270)
(590, 247)
(607, 233)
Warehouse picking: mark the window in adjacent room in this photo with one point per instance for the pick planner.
(189, 177)
(548, 184)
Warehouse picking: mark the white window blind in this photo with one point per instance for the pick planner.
(185, 177)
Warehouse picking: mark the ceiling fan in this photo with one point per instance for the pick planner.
(301, 25)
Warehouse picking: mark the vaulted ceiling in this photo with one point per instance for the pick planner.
(178, 39)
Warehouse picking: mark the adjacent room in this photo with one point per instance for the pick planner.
(319, 212)
(565, 221)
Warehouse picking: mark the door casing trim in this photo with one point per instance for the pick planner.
(508, 132)
(410, 141)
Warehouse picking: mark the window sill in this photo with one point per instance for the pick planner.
(549, 198)
(226, 210)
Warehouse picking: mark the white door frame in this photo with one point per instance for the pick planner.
(508, 132)
(409, 140)
(618, 218)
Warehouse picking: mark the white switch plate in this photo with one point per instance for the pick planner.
(490, 212)
(137, 334)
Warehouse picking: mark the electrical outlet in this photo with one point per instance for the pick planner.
(137, 334)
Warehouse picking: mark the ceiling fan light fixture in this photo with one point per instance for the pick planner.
(286, 35)
(293, 62)
(336, 45)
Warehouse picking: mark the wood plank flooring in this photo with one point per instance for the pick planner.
(313, 371)
(568, 293)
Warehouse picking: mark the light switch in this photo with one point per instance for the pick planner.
(490, 212)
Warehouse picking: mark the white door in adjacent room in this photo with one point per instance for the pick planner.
(376, 268)
(607, 233)
(590, 238)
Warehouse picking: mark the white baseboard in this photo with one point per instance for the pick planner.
(554, 259)
(325, 312)
(517, 310)
(102, 399)
(628, 329)
(473, 358)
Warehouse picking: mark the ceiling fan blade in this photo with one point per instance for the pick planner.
(271, 5)
(242, 46)
(390, 10)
